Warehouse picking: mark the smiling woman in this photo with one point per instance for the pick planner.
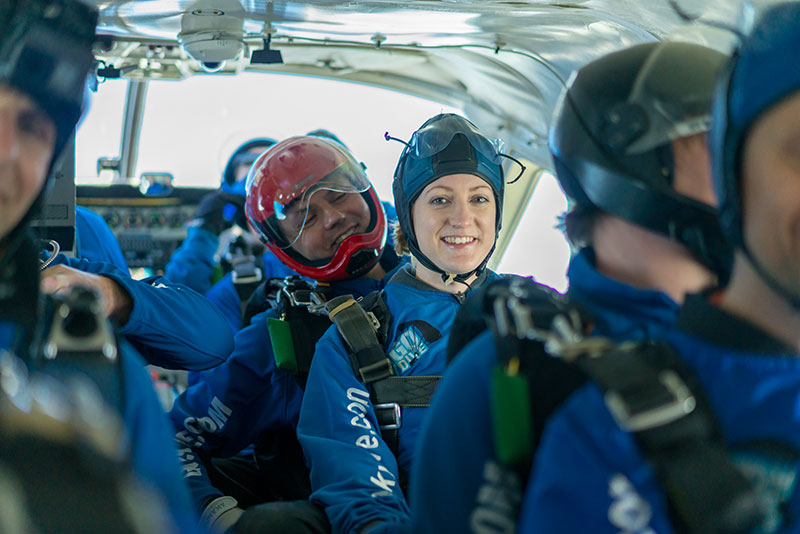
(448, 191)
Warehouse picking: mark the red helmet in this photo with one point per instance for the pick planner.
(284, 186)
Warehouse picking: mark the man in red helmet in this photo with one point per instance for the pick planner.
(313, 206)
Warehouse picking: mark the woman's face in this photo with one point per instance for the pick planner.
(454, 221)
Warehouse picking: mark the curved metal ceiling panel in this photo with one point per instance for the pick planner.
(503, 62)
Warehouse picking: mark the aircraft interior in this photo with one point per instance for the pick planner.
(502, 64)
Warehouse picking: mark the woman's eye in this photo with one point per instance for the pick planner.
(339, 197)
(438, 200)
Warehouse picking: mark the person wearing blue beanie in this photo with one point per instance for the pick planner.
(448, 191)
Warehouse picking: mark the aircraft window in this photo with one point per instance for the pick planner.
(538, 248)
(101, 129)
(191, 127)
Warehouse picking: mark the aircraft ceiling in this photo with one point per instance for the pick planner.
(503, 62)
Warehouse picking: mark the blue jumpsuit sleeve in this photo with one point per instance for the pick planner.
(354, 474)
(192, 264)
(95, 241)
(232, 405)
(170, 325)
(456, 483)
(153, 455)
(224, 296)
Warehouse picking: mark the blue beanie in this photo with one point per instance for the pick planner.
(762, 71)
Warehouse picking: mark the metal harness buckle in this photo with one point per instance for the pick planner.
(680, 405)
(395, 413)
(313, 301)
(245, 271)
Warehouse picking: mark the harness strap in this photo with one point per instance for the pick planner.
(397, 392)
(651, 394)
(360, 329)
(301, 321)
(649, 391)
(247, 274)
(82, 342)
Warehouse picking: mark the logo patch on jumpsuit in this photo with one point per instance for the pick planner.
(411, 344)
(772, 469)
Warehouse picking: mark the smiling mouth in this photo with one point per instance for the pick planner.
(344, 236)
(458, 240)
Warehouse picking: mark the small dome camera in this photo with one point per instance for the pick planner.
(212, 66)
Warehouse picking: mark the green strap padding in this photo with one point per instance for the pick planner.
(511, 417)
(280, 335)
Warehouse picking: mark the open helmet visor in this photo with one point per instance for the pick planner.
(294, 205)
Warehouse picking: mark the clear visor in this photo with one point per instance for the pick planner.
(435, 137)
(297, 214)
(675, 94)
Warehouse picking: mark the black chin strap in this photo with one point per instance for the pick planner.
(449, 278)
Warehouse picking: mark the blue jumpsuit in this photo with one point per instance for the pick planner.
(354, 474)
(94, 240)
(752, 382)
(241, 399)
(152, 449)
(456, 484)
(170, 325)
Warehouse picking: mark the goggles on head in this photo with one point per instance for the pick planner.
(436, 136)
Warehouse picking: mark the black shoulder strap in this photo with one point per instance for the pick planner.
(527, 384)
(363, 326)
(81, 341)
(359, 330)
(261, 299)
(649, 391)
(654, 396)
(246, 263)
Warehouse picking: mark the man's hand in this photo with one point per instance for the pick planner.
(116, 302)
(211, 210)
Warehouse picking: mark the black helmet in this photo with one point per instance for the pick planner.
(46, 53)
(611, 134)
